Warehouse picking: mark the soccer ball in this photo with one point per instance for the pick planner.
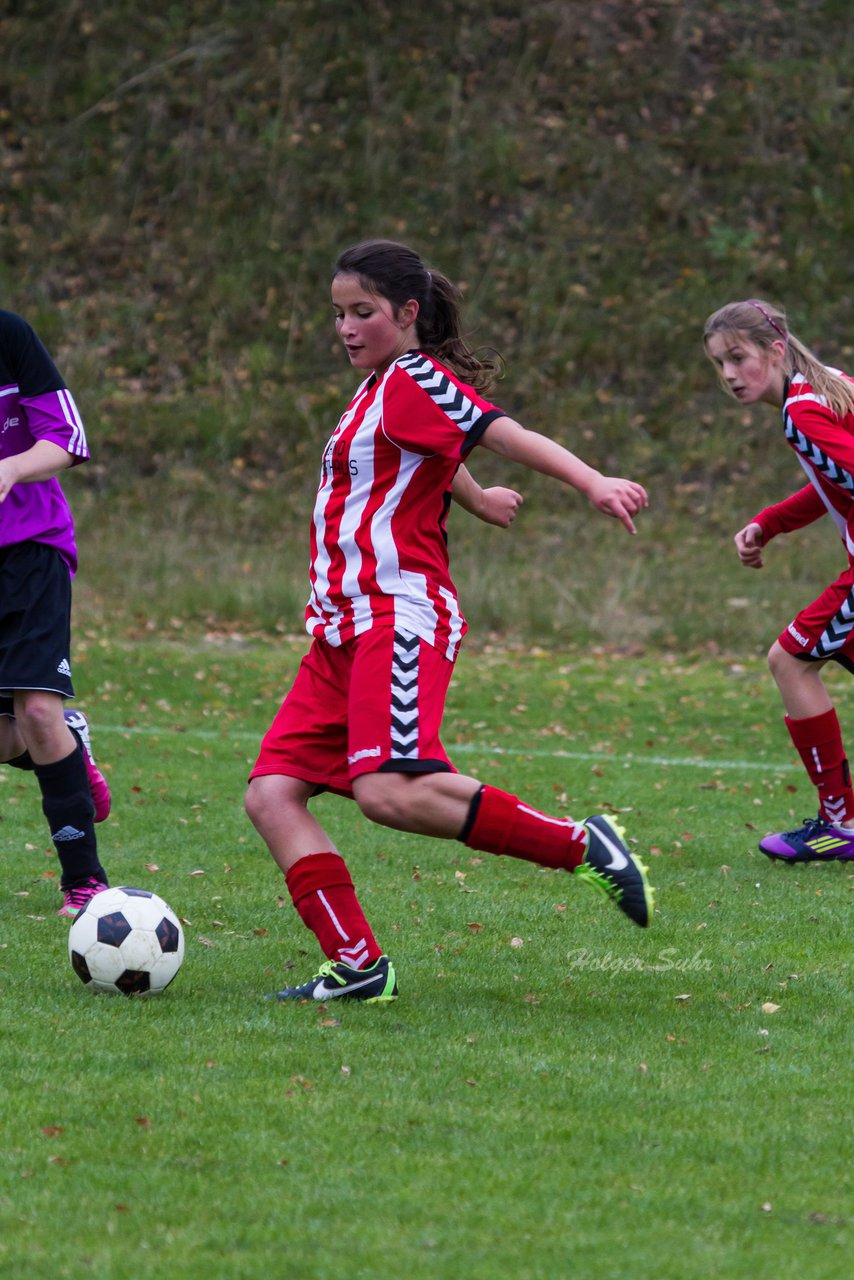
(126, 941)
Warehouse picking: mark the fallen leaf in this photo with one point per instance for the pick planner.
(768, 1007)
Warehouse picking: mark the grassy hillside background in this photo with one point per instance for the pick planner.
(178, 178)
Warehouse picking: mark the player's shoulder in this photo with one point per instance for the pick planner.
(426, 372)
(801, 396)
(13, 326)
(419, 364)
(802, 399)
(24, 359)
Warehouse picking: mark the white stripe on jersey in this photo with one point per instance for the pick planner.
(77, 443)
(409, 589)
(351, 519)
(319, 599)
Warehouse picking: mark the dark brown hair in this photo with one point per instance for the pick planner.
(394, 271)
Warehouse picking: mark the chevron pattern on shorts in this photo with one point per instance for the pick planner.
(404, 696)
(445, 393)
(838, 630)
(817, 458)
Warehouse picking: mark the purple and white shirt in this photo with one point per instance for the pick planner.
(35, 404)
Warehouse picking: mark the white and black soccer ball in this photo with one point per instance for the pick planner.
(126, 941)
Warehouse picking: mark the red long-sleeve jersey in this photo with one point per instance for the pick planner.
(824, 443)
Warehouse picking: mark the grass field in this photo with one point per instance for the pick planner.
(555, 1093)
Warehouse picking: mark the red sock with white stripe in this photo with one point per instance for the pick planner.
(325, 898)
(818, 740)
(501, 823)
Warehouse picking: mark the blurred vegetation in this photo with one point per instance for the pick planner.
(598, 177)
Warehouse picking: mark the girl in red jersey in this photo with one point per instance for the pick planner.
(364, 714)
(760, 360)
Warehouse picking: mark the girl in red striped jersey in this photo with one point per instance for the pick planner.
(364, 714)
(760, 360)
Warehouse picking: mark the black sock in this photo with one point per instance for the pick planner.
(23, 761)
(67, 805)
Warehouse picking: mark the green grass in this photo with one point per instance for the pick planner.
(554, 1093)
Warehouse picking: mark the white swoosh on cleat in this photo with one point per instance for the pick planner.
(618, 859)
(322, 992)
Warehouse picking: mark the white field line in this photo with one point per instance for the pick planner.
(625, 761)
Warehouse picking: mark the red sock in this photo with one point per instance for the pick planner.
(818, 740)
(323, 894)
(501, 823)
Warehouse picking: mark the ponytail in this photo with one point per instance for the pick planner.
(395, 272)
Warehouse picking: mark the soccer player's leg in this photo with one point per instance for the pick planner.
(305, 751)
(822, 632)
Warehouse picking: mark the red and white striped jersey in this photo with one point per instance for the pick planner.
(379, 552)
(824, 443)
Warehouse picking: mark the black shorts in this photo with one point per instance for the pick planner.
(35, 621)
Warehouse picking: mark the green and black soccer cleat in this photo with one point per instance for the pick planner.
(610, 866)
(336, 981)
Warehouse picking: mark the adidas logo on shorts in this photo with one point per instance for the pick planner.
(64, 668)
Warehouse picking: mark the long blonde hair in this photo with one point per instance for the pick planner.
(763, 324)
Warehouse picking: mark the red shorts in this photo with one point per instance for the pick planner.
(373, 704)
(825, 628)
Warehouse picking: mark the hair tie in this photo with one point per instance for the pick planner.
(751, 302)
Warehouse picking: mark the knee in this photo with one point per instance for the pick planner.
(778, 660)
(270, 798)
(382, 798)
(39, 717)
(259, 802)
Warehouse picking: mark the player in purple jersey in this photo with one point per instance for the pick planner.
(41, 434)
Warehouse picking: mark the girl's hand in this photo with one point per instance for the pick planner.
(8, 477)
(748, 544)
(619, 498)
(499, 505)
